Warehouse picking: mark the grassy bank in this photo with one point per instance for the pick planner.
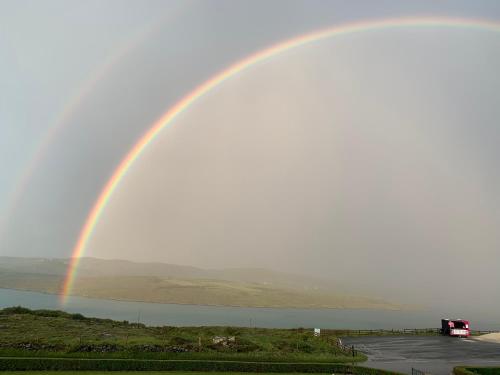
(56, 334)
(128, 372)
(125, 365)
(476, 370)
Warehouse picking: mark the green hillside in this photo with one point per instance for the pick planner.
(165, 283)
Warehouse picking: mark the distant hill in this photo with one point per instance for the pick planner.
(168, 283)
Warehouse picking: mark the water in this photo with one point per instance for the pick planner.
(195, 315)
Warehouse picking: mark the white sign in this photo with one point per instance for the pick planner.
(317, 331)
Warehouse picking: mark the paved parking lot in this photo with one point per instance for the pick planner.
(433, 354)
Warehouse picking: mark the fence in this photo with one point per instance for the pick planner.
(347, 349)
(380, 332)
(415, 371)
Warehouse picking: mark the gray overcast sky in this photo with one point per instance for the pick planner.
(377, 150)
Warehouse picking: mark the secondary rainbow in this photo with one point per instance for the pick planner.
(70, 108)
(231, 71)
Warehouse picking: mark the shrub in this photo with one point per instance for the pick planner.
(178, 340)
(72, 364)
(476, 370)
(15, 310)
(78, 317)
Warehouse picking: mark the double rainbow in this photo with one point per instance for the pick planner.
(62, 121)
(231, 71)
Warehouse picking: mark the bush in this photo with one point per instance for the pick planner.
(44, 313)
(15, 310)
(476, 370)
(97, 348)
(178, 340)
(461, 371)
(78, 317)
(232, 331)
(72, 364)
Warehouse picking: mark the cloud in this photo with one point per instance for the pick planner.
(348, 159)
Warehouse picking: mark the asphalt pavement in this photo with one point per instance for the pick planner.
(431, 354)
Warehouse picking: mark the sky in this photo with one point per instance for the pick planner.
(372, 154)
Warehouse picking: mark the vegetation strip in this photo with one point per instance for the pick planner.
(461, 370)
(56, 334)
(73, 364)
(129, 373)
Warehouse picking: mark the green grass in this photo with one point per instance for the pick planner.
(46, 333)
(130, 373)
(476, 370)
(72, 364)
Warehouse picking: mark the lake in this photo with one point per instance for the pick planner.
(195, 315)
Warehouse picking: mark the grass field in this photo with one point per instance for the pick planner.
(46, 333)
(132, 373)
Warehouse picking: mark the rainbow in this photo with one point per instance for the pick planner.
(63, 118)
(231, 71)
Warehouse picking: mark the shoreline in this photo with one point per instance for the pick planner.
(217, 305)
